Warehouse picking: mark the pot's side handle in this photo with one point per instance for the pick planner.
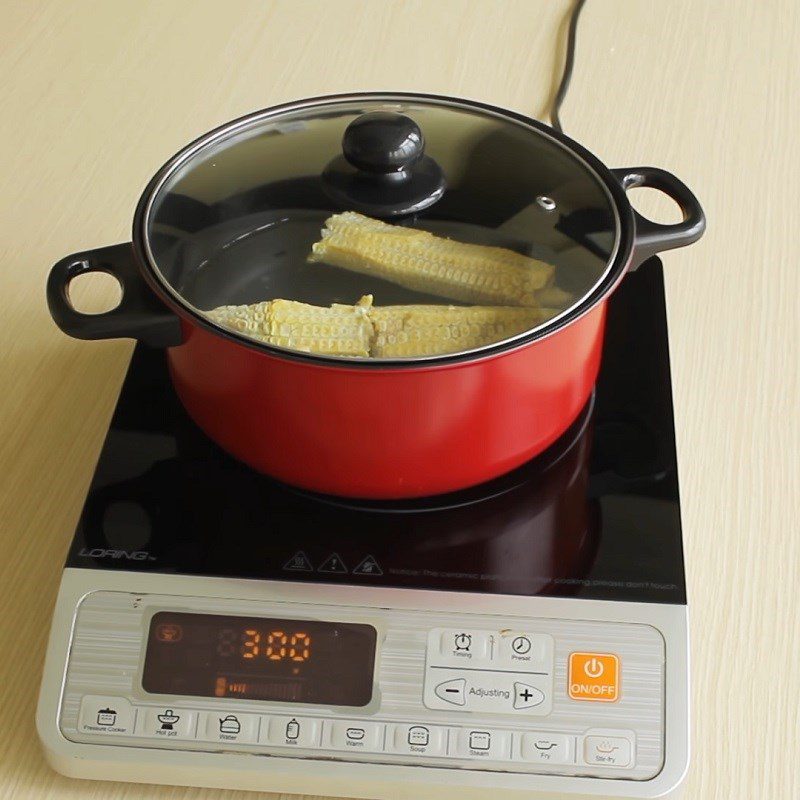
(653, 237)
(139, 315)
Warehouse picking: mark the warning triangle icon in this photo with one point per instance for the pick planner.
(369, 566)
(333, 563)
(298, 563)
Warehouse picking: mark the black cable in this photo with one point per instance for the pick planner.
(569, 64)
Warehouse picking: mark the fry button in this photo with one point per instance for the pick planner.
(594, 676)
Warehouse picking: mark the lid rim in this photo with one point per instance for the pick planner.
(616, 267)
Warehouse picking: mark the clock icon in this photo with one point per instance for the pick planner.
(521, 645)
(462, 641)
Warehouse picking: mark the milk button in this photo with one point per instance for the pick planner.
(484, 743)
(168, 723)
(233, 728)
(547, 748)
(106, 715)
(357, 736)
(291, 732)
(607, 751)
(464, 645)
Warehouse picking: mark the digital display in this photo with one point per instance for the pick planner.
(254, 658)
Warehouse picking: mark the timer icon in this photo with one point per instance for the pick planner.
(462, 641)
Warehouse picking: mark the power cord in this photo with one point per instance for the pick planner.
(569, 64)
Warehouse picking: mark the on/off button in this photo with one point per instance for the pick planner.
(594, 676)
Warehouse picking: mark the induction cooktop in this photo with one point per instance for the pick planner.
(216, 628)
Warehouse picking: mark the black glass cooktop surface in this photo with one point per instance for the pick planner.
(596, 516)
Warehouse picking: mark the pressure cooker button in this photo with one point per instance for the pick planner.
(106, 715)
(169, 723)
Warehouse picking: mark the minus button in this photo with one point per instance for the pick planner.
(453, 691)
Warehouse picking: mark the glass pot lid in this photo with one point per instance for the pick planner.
(382, 227)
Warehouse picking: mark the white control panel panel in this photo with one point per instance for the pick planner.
(547, 696)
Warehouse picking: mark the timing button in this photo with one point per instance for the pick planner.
(526, 696)
(464, 646)
(106, 715)
(452, 691)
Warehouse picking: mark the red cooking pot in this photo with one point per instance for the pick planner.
(231, 220)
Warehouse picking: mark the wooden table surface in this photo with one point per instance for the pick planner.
(94, 96)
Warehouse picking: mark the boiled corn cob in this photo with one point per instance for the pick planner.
(419, 260)
(417, 330)
(340, 330)
(386, 332)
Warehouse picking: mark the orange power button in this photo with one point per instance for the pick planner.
(594, 676)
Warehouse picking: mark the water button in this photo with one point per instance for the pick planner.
(233, 728)
(607, 751)
(452, 691)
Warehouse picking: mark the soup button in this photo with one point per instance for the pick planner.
(594, 676)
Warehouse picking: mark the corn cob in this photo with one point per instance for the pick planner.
(419, 260)
(340, 330)
(386, 332)
(417, 330)
(554, 297)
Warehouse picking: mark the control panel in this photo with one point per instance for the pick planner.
(566, 697)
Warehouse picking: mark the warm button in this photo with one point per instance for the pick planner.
(594, 676)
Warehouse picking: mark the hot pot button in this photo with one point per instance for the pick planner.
(548, 748)
(607, 751)
(106, 715)
(233, 728)
(356, 737)
(168, 723)
(493, 745)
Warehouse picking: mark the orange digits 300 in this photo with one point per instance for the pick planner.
(278, 646)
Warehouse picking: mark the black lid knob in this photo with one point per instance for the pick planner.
(384, 171)
(383, 142)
